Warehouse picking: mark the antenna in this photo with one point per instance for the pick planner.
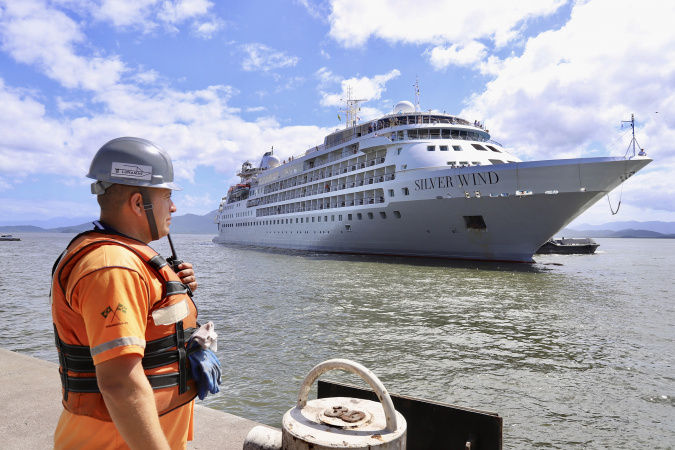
(352, 108)
(633, 141)
(417, 94)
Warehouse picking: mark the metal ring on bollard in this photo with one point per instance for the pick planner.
(357, 369)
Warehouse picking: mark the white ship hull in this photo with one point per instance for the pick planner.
(408, 203)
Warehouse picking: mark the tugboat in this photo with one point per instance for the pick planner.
(570, 246)
(9, 237)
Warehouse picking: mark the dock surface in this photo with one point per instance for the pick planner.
(31, 399)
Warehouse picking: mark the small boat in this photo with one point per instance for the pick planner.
(9, 237)
(570, 246)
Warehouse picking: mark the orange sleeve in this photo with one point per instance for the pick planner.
(113, 302)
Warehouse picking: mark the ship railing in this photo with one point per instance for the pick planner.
(445, 136)
(347, 154)
(353, 167)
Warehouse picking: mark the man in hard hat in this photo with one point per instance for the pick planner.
(122, 316)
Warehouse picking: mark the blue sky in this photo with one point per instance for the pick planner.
(216, 83)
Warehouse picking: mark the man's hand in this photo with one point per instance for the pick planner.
(187, 275)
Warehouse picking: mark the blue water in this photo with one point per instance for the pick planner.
(573, 352)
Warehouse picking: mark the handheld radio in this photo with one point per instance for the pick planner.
(174, 262)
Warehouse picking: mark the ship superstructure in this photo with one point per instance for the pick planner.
(417, 184)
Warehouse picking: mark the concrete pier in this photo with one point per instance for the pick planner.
(31, 400)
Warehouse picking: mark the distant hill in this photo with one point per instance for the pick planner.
(666, 228)
(194, 224)
(609, 233)
(186, 224)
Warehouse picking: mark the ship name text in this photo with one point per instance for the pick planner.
(460, 180)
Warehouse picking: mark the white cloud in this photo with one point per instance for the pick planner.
(566, 95)
(207, 30)
(197, 127)
(436, 23)
(185, 201)
(4, 185)
(124, 13)
(37, 35)
(326, 77)
(318, 10)
(363, 88)
(147, 15)
(457, 55)
(262, 58)
(175, 12)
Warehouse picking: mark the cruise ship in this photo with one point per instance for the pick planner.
(414, 183)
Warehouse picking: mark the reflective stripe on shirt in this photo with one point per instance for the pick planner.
(119, 342)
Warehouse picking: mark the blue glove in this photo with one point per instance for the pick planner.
(205, 371)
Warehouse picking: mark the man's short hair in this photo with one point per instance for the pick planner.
(114, 197)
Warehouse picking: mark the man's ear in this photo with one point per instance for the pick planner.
(135, 201)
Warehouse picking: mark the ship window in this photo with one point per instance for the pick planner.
(457, 148)
(493, 149)
(325, 218)
(332, 218)
(359, 216)
(349, 217)
(340, 217)
(406, 191)
(383, 215)
(391, 192)
(496, 161)
(312, 219)
(397, 214)
(399, 151)
(431, 148)
(296, 220)
(370, 215)
(479, 147)
(348, 227)
(475, 222)
(444, 148)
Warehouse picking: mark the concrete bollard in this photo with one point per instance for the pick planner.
(263, 438)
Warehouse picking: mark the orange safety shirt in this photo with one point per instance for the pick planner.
(110, 302)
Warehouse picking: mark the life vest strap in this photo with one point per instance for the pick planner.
(157, 262)
(160, 352)
(89, 385)
(175, 288)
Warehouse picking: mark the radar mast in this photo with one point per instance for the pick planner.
(352, 109)
(417, 94)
